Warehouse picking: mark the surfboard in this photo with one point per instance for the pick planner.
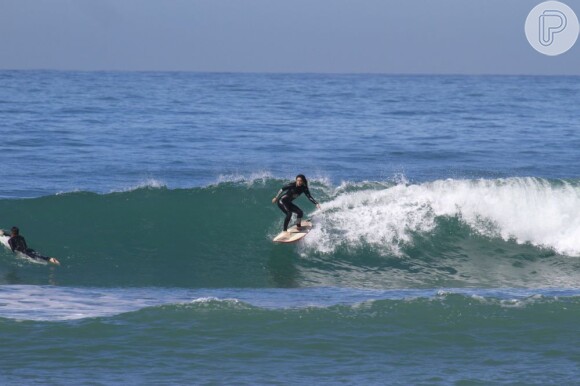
(293, 234)
(33, 257)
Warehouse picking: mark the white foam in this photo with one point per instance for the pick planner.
(61, 193)
(262, 177)
(26, 302)
(526, 210)
(150, 183)
(258, 177)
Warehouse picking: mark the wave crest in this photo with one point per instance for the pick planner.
(526, 210)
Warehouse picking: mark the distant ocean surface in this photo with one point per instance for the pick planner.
(447, 250)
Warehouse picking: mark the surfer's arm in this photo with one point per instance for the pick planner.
(309, 196)
(282, 190)
(11, 243)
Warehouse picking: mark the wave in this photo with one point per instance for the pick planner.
(393, 234)
(290, 334)
(52, 303)
(543, 213)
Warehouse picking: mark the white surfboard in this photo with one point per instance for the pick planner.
(293, 234)
(4, 241)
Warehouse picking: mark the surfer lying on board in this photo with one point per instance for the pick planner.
(18, 244)
(289, 193)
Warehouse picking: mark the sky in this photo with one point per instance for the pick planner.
(319, 36)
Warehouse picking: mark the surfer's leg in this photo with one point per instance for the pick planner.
(287, 220)
(284, 208)
(299, 214)
(35, 255)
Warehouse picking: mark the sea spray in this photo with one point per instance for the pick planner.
(543, 213)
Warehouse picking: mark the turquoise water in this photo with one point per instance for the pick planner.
(404, 338)
(447, 249)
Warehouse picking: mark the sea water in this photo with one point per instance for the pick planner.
(447, 249)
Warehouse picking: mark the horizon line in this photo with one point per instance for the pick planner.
(285, 72)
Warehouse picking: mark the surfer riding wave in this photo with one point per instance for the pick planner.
(289, 193)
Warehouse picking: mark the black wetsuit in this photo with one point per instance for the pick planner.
(291, 192)
(18, 244)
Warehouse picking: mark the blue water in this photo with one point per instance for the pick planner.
(447, 249)
(106, 131)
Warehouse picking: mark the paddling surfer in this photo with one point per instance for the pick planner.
(18, 244)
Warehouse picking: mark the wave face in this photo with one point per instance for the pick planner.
(445, 233)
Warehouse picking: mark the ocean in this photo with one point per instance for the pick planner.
(446, 252)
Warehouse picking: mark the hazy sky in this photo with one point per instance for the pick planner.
(386, 36)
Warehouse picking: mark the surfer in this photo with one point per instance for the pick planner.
(289, 193)
(18, 244)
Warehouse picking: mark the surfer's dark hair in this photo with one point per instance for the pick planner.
(15, 230)
(303, 178)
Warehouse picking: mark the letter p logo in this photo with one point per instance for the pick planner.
(551, 22)
(552, 28)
